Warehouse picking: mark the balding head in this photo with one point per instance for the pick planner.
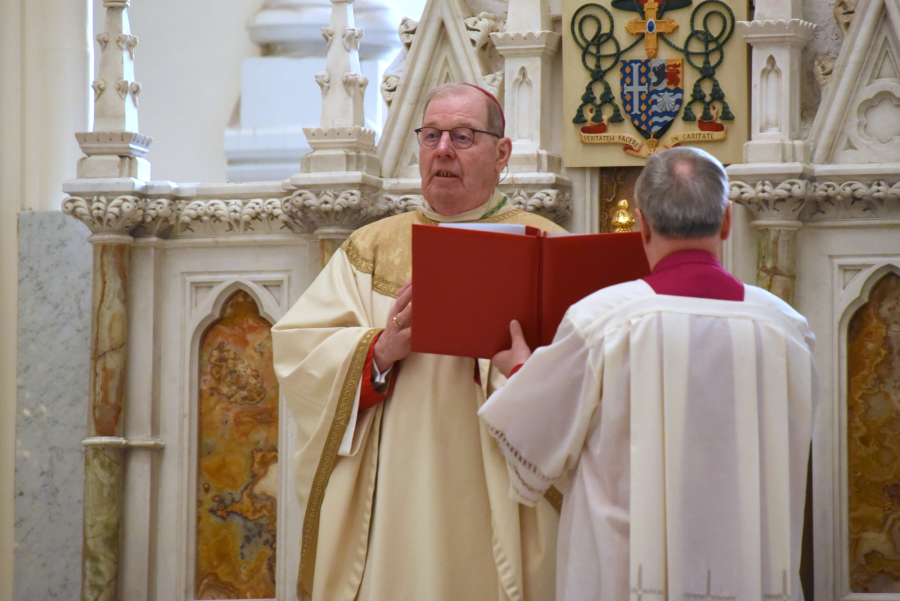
(683, 193)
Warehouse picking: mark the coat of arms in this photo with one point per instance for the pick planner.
(667, 61)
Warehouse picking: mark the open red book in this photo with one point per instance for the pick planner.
(468, 284)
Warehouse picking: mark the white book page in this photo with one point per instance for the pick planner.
(500, 228)
(560, 234)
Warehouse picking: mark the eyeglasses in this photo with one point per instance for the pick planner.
(460, 137)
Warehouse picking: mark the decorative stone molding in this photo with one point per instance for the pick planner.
(494, 83)
(394, 73)
(479, 28)
(128, 43)
(798, 201)
(306, 210)
(388, 87)
(338, 137)
(555, 205)
(117, 143)
(355, 84)
(855, 200)
(99, 87)
(160, 214)
(406, 32)
(106, 215)
(328, 34)
(844, 10)
(324, 81)
(177, 218)
(529, 43)
(345, 209)
(822, 70)
(254, 216)
(135, 89)
(350, 38)
(401, 203)
(122, 88)
(338, 149)
(794, 32)
(771, 202)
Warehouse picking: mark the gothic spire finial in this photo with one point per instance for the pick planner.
(114, 146)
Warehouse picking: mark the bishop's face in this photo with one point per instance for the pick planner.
(453, 180)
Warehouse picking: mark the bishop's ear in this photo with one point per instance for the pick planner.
(504, 151)
(726, 223)
(642, 225)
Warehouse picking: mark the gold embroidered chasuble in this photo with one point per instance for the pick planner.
(419, 506)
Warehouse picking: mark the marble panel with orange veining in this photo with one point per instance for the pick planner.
(873, 404)
(238, 456)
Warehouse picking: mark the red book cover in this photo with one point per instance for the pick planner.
(577, 265)
(469, 284)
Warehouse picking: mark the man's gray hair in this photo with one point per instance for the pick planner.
(683, 193)
(495, 116)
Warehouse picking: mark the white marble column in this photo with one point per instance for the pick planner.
(106, 197)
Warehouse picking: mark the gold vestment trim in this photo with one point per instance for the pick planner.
(385, 287)
(332, 443)
(364, 265)
(356, 258)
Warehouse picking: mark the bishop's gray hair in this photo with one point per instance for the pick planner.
(683, 193)
(494, 114)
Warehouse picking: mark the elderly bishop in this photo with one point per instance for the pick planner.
(403, 489)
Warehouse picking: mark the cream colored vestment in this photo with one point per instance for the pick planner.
(419, 508)
(681, 429)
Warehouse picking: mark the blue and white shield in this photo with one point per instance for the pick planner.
(652, 94)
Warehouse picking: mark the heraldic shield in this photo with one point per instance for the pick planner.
(652, 94)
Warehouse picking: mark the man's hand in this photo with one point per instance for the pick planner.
(393, 344)
(517, 354)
